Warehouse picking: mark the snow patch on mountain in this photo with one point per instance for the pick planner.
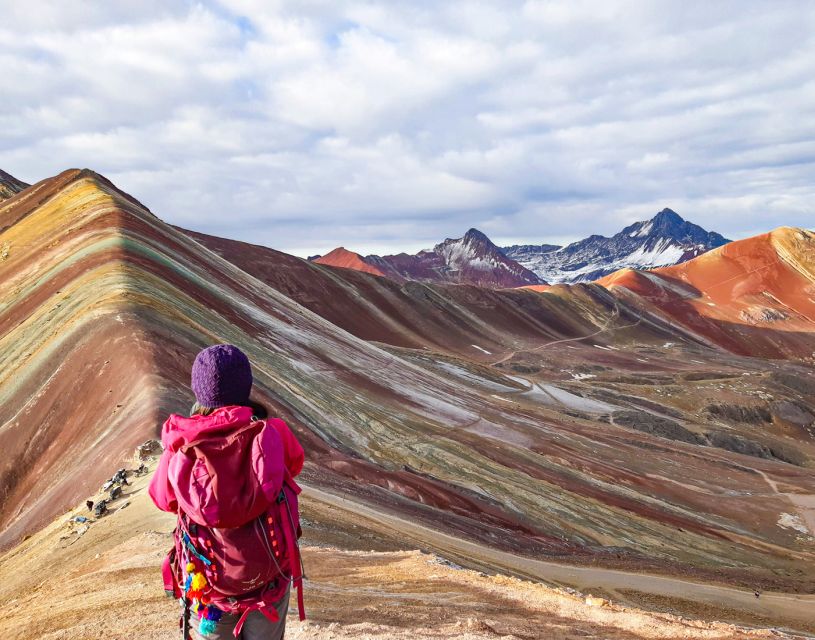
(644, 231)
(665, 252)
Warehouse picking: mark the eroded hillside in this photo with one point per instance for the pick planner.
(512, 431)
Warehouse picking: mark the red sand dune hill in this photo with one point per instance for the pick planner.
(752, 297)
(341, 257)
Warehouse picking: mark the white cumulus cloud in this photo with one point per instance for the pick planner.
(384, 126)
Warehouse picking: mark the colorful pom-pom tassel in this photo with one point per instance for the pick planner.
(213, 613)
(190, 567)
(199, 581)
(207, 626)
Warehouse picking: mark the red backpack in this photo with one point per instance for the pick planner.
(236, 567)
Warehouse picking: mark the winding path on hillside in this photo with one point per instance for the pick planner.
(792, 610)
(802, 504)
(615, 314)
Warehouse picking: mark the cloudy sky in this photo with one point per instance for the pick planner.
(385, 126)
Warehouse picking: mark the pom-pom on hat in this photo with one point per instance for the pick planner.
(221, 376)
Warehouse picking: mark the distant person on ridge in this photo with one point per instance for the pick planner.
(228, 472)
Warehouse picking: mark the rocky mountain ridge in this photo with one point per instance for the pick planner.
(9, 185)
(471, 259)
(664, 240)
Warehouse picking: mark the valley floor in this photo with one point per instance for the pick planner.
(74, 581)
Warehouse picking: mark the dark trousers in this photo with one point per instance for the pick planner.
(255, 627)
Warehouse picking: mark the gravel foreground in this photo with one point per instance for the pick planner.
(100, 579)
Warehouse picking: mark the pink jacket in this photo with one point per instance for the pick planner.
(222, 470)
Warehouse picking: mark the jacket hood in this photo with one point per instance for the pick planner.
(224, 469)
(179, 430)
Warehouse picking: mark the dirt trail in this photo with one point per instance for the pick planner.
(105, 583)
(614, 315)
(790, 609)
(803, 505)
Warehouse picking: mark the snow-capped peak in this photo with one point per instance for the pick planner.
(663, 240)
(474, 251)
(471, 259)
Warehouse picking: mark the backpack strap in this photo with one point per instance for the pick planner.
(170, 570)
(168, 574)
(267, 610)
(185, 621)
(186, 540)
(296, 562)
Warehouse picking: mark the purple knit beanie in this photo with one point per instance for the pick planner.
(221, 376)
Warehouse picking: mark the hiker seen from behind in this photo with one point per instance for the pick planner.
(228, 472)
